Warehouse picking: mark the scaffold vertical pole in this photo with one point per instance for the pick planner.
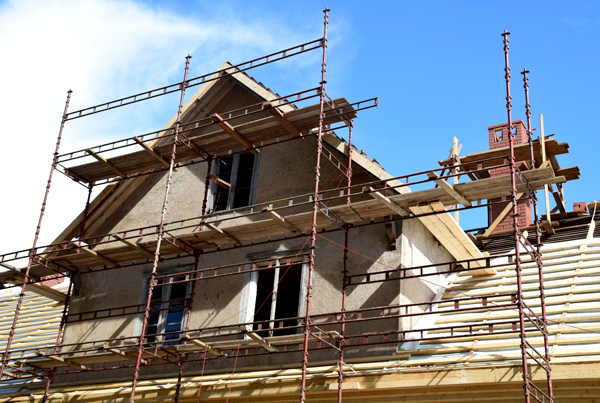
(538, 240)
(349, 173)
(515, 217)
(152, 280)
(342, 343)
(11, 334)
(180, 362)
(59, 337)
(313, 232)
(86, 210)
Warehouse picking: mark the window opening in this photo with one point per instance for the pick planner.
(168, 310)
(283, 299)
(237, 177)
(499, 135)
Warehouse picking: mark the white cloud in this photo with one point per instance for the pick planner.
(103, 50)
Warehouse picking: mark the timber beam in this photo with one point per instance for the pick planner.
(281, 220)
(227, 128)
(96, 255)
(500, 217)
(229, 237)
(219, 181)
(448, 188)
(560, 206)
(130, 355)
(388, 203)
(283, 121)
(262, 342)
(69, 363)
(153, 153)
(207, 347)
(134, 245)
(111, 166)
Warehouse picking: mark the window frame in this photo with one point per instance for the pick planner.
(250, 288)
(213, 187)
(161, 324)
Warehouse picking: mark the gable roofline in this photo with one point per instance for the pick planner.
(113, 191)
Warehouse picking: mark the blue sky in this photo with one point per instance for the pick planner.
(436, 66)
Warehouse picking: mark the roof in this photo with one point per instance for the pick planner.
(478, 354)
(571, 278)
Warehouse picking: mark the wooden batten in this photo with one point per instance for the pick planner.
(500, 217)
(110, 165)
(219, 181)
(207, 347)
(233, 133)
(450, 189)
(388, 203)
(227, 235)
(153, 153)
(97, 255)
(283, 121)
(261, 342)
(284, 222)
(134, 246)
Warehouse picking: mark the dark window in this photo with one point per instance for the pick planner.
(278, 298)
(168, 310)
(235, 181)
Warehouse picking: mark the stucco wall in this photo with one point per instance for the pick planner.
(285, 169)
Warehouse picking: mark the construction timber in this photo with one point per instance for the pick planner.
(185, 141)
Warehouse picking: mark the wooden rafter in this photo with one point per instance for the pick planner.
(114, 168)
(560, 203)
(262, 342)
(448, 188)
(283, 121)
(500, 217)
(134, 245)
(284, 222)
(219, 181)
(130, 355)
(388, 203)
(97, 255)
(229, 237)
(65, 361)
(548, 227)
(153, 153)
(233, 133)
(207, 347)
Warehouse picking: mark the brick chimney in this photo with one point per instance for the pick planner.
(498, 138)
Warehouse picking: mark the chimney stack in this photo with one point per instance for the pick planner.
(498, 138)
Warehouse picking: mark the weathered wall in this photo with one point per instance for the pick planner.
(285, 169)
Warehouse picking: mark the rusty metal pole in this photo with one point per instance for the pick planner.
(513, 191)
(343, 317)
(538, 240)
(345, 270)
(152, 281)
(85, 210)
(180, 362)
(349, 173)
(13, 327)
(313, 232)
(59, 337)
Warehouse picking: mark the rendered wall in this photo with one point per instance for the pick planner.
(286, 169)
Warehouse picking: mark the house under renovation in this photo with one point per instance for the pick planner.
(249, 252)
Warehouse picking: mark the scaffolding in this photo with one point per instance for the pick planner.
(341, 209)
